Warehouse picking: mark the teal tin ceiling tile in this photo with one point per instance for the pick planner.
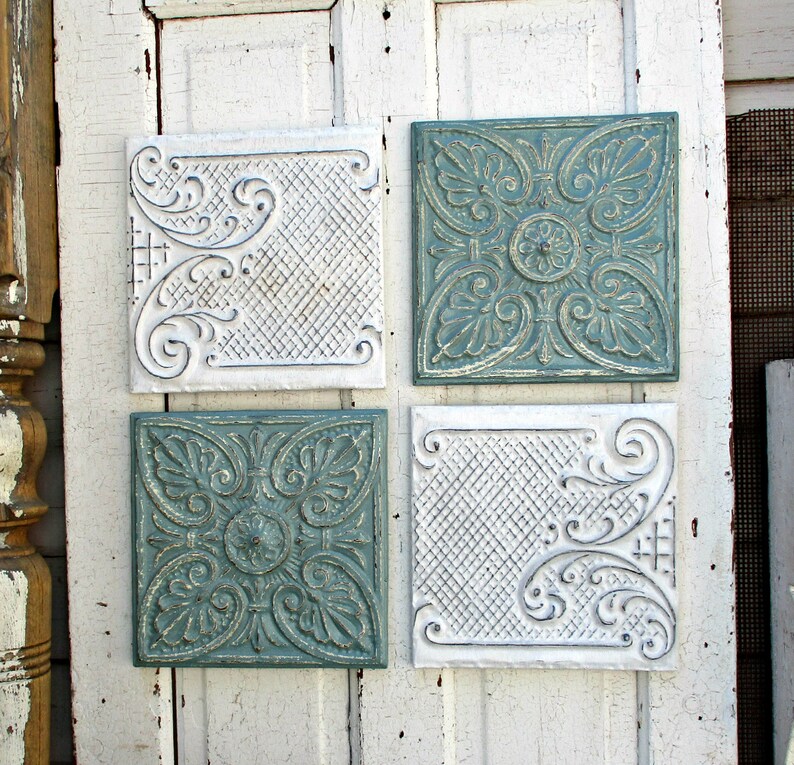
(260, 539)
(546, 249)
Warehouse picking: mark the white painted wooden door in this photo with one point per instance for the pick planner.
(219, 65)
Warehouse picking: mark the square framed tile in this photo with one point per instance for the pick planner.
(255, 261)
(260, 539)
(546, 249)
(544, 536)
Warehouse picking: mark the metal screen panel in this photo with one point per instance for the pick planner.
(761, 219)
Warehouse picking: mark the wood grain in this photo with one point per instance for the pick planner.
(27, 282)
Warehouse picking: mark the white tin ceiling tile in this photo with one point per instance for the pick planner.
(255, 261)
(544, 536)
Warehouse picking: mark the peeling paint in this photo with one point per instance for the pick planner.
(11, 446)
(20, 238)
(10, 326)
(14, 712)
(14, 695)
(3, 537)
(17, 87)
(13, 609)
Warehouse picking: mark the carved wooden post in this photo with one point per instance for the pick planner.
(28, 274)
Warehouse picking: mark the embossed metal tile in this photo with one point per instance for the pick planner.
(255, 261)
(545, 249)
(260, 539)
(544, 536)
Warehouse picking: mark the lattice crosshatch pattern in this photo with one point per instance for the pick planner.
(545, 249)
(260, 539)
(255, 261)
(544, 536)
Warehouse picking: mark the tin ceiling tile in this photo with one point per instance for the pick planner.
(260, 539)
(545, 249)
(544, 536)
(255, 261)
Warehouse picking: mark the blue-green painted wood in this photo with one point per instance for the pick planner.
(260, 538)
(546, 249)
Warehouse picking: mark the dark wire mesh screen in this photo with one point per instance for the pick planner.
(761, 220)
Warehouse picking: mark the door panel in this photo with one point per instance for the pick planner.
(246, 73)
(511, 59)
(389, 64)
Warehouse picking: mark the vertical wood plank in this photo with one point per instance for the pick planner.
(679, 68)
(385, 74)
(105, 87)
(535, 59)
(232, 74)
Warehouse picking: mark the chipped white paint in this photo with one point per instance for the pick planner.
(759, 39)
(14, 714)
(544, 536)
(269, 275)
(11, 442)
(212, 81)
(122, 714)
(20, 237)
(3, 538)
(174, 9)
(10, 326)
(13, 609)
(14, 689)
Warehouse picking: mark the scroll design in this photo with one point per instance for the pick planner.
(628, 481)
(545, 538)
(244, 260)
(630, 607)
(257, 541)
(574, 221)
(172, 192)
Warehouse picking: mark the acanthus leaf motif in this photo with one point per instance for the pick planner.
(193, 609)
(622, 323)
(477, 318)
(327, 472)
(228, 543)
(329, 612)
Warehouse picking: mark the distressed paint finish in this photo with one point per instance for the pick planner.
(104, 91)
(453, 716)
(255, 261)
(758, 40)
(175, 9)
(259, 539)
(232, 98)
(544, 536)
(545, 249)
(28, 279)
(25, 587)
(691, 713)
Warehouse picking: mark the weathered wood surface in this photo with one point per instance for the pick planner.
(780, 451)
(692, 711)
(105, 86)
(759, 39)
(27, 283)
(177, 9)
(369, 63)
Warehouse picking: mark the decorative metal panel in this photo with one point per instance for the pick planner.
(260, 538)
(544, 536)
(545, 249)
(255, 261)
